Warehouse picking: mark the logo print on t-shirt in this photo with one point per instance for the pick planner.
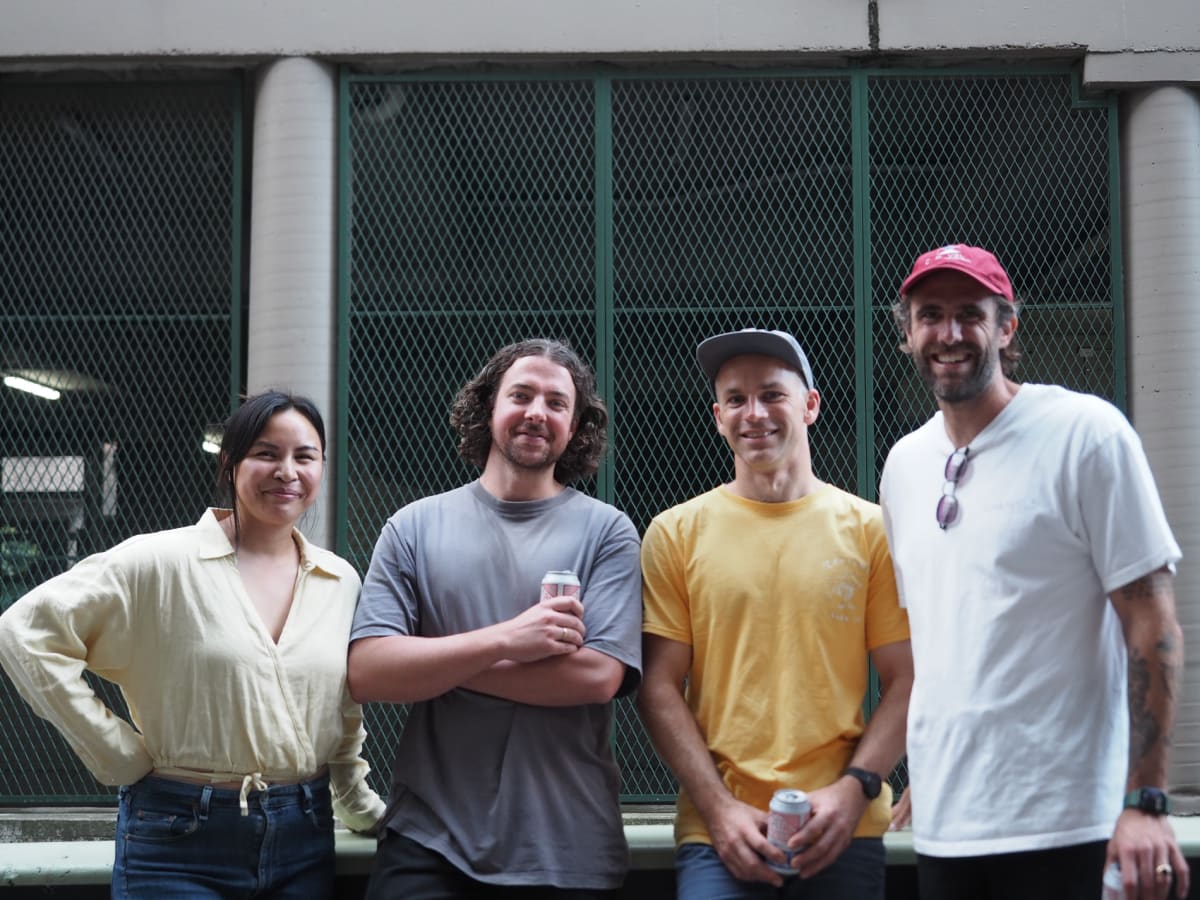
(844, 578)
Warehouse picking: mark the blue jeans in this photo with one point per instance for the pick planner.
(860, 873)
(189, 841)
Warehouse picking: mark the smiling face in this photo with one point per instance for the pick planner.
(763, 411)
(280, 475)
(533, 416)
(955, 336)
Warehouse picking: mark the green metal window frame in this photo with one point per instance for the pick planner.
(869, 304)
(865, 305)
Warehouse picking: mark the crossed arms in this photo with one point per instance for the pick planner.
(536, 657)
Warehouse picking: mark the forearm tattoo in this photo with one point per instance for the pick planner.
(1153, 671)
(1144, 729)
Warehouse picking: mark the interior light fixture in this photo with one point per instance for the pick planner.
(211, 443)
(17, 383)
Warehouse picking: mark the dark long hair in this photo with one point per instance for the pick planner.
(242, 429)
(471, 413)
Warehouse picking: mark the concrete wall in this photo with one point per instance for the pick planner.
(68, 28)
(52, 30)
(1104, 26)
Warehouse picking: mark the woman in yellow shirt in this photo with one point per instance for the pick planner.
(228, 641)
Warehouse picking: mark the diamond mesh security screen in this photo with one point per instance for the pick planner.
(733, 207)
(635, 215)
(119, 248)
(1013, 164)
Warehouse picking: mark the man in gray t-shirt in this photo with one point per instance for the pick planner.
(504, 777)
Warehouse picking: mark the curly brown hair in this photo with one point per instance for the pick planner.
(471, 412)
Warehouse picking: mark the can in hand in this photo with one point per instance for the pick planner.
(1113, 889)
(789, 810)
(560, 583)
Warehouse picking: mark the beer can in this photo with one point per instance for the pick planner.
(560, 583)
(1113, 889)
(788, 811)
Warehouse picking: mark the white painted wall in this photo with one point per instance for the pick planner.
(65, 29)
(292, 328)
(69, 28)
(1160, 175)
(1097, 25)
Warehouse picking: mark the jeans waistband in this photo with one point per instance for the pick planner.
(229, 780)
(207, 795)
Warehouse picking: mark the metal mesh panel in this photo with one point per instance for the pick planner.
(117, 245)
(1009, 164)
(732, 208)
(634, 216)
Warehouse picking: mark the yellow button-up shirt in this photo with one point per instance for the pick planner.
(165, 616)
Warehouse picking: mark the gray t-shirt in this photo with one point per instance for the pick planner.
(509, 793)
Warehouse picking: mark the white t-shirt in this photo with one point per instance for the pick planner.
(1018, 723)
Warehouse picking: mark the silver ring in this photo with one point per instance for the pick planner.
(564, 632)
(1163, 870)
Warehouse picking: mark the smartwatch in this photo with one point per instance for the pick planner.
(1148, 800)
(871, 783)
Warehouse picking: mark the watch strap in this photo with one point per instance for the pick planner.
(1149, 800)
(870, 782)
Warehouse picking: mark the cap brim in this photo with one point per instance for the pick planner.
(714, 352)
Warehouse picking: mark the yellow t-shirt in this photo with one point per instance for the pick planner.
(780, 603)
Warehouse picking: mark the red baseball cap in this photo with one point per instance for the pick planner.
(976, 262)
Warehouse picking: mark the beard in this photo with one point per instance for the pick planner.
(529, 460)
(958, 391)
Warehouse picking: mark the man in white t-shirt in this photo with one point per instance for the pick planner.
(1036, 563)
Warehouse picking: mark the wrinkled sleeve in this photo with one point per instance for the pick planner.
(388, 602)
(354, 802)
(887, 621)
(664, 591)
(81, 619)
(1124, 524)
(612, 601)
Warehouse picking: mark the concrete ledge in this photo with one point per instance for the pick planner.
(54, 863)
(80, 862)
(1140, 68)
(28, 824)
(89, 862)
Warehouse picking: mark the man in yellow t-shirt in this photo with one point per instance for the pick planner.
(764, 600)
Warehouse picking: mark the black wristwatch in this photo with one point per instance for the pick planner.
(871, 783)
(1148, 800)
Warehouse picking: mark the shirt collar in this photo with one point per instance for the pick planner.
(215, 545)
